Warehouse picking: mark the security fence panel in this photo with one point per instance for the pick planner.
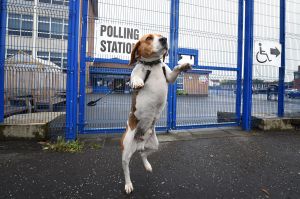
(118, 25)
(292, 68)
(266, 58)
(36, 44)
(208, 37)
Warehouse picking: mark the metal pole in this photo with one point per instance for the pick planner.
(248, 65)
(239, 61)
(76, 60)
(281, 87)
(174, 17)
(3, 15)
(70, 135)
(83, 66)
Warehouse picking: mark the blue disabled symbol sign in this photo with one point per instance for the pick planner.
(267, 53)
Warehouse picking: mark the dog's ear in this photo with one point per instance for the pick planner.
(134, 53)
(164, 56)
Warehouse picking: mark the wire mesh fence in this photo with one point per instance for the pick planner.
(266, 76)
(211, 28)
(35, 61)
(118, 27)
(292, 92)
(36, 49)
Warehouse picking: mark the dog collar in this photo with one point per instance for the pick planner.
(150, 63)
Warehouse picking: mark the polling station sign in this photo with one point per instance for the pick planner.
(115, 41)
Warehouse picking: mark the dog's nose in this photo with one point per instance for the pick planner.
(163, 41)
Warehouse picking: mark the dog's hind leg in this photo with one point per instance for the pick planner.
(128, 151)
(150, 146)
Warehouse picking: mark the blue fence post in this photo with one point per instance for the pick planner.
(76, 62)
(71, 98)
(173, 58)
(248, 65)
(282, 68)
(239, 61)
(3, 15)
(83, 66)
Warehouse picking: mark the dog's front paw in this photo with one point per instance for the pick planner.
(128, 188)
(137, 83)
(185, 67)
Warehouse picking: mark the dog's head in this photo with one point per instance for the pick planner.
(150, 47)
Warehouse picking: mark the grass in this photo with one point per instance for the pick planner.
(71, 147)
(62, 146)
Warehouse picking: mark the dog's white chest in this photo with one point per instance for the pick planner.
(151, 99)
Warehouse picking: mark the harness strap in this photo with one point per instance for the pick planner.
(165, 73)
(147, 75)
(149, 71)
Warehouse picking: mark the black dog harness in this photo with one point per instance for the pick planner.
(151, 64)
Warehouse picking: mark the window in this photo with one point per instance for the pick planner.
(56, 58)
(52, 27)
(44, 27)
(56, 2)
(65, 60)
(20, 24)
(12, 52)
(56, 28)
(43, 55)
(60, 59)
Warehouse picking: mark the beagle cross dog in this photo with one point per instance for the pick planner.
(149, 81)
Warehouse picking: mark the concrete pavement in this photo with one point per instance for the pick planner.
(214, 163)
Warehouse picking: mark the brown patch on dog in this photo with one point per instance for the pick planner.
(133, 53)
(133, 121)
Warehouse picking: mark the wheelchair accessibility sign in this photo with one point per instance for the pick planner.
(267, 53)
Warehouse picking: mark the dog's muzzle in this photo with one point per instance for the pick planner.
(163, 42)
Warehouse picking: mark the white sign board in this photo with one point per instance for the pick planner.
(114, 40)
(267, 53)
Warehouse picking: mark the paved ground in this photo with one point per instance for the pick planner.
(112, 111)
(210, 164)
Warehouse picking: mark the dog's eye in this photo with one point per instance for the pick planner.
(149, 38)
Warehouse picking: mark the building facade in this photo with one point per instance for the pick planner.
(40, 28)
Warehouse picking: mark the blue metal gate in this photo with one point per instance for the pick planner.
(207, 96)
(89, 60)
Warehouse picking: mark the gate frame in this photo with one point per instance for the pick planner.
(72, 71)
(173, 57)
(3, 9)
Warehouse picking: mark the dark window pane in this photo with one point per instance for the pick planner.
(13, 15)
(44, 27)
(58, 2)
(29, 17)
(11, 52)
(14, 24)
(43, 55)
(27, 25)
(25, 33)
(65, 63)
(56, 28)
(45, 1)
(44, 19)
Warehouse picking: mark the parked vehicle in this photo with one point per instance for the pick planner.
(294, 94)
